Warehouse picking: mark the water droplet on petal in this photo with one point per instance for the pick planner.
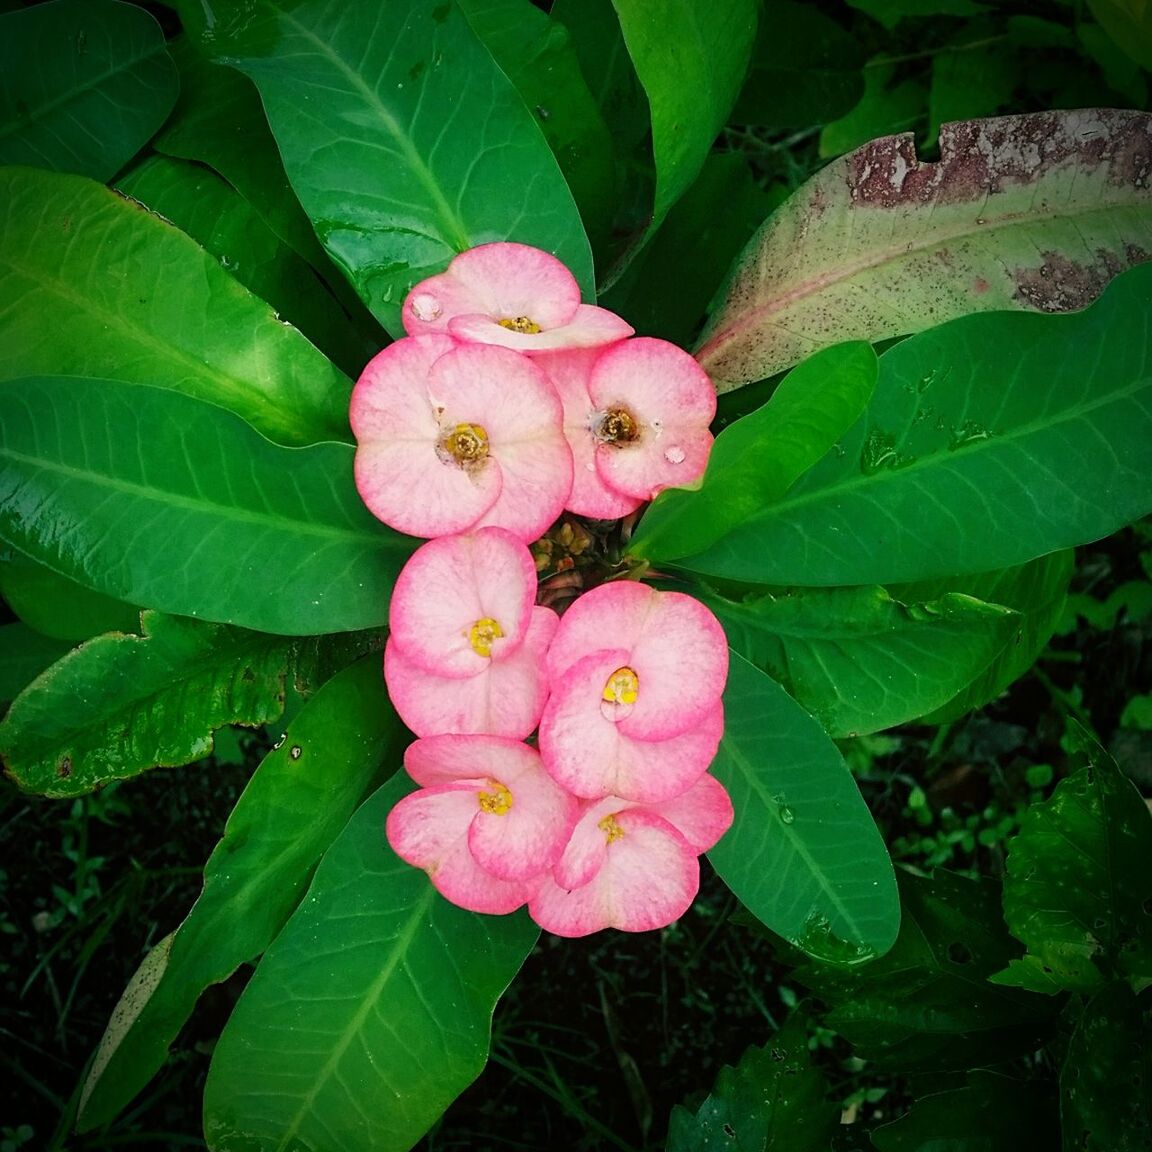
(425, 307)
(674, 455)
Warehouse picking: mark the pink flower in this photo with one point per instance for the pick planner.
(636, 416)
(636, 677)
(487, 823)
(632, 867)
(467, 644)
(513, 295)
(452, 437)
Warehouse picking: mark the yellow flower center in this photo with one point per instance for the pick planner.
(467, 444)
(481, 635)
(623, 687)
(498, 801)
(617, 426)
(610, 828)
(522, 324)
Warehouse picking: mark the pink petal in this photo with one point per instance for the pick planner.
(505, 699)
(536, 481)
(590, 327)
(517, 280)
(702, 814)
(391, 398)
(451, 583)
(649, 878)
(434, 301)
(592, 756)
(429, 829)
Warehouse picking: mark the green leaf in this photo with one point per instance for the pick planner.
(370, 1012)
(1129, 24)
(879, 244)
(989, 441)
(1035, 591)
(1078, 886)
(803, 855)
(535, 52)
(294, 806)
(992, 1113)
(691, 61)
(773, 1099)
(975, 77)
(891, 12)
(756, 459)
(24, 654)
(1104, 1100)
(179, 504)
(119, 705)
(83, 84)
(806, 69)
(218, 218)
(927, 1005)
(58, 607)
(886, 107)
(404, 141)
(97, 286)
(861, 661)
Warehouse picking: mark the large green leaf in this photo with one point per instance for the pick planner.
(1034, 212)
(83, 84)
(24, 654)
(758, 458)
(121, 704)
(1035, 591)
(294, 806)
(1105, 1105)
(859, 660)
(535, 52)
(218, 218)
(404, 141)
(691, 60)
(927, 1006)
(1078, 887)
(97, 286)
(803, 855)
(886, 107)
(990, 440)
(58, 607)
(369, 1013)
(180, 505)
(773, 1099)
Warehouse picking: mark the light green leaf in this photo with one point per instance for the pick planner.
(404, 141)
(691, 61)
(369, 1013)
(859, 660)
(97, 286)
(803, 855)
(219, 219)
(990, 441)
(83, 84)
(296, 803)
(24, 654)
(1078, 886)
(121, 704)
(180, 505)
(759, 457)
(1035, 212)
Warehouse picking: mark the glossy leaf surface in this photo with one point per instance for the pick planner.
(119, 705)
(989, 441)
(1078, 888)
(1033, 212)
(181, 505)
(691, 61)
(403, 140)
(859, 660)
(294, 806)
(368, 1014)
(128, 296)
(24, 654)
(774, 1098)
(83, 84)
(759, 457)
(927, 1005)
(803, 855)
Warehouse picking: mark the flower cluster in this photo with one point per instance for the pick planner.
(508, 402)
